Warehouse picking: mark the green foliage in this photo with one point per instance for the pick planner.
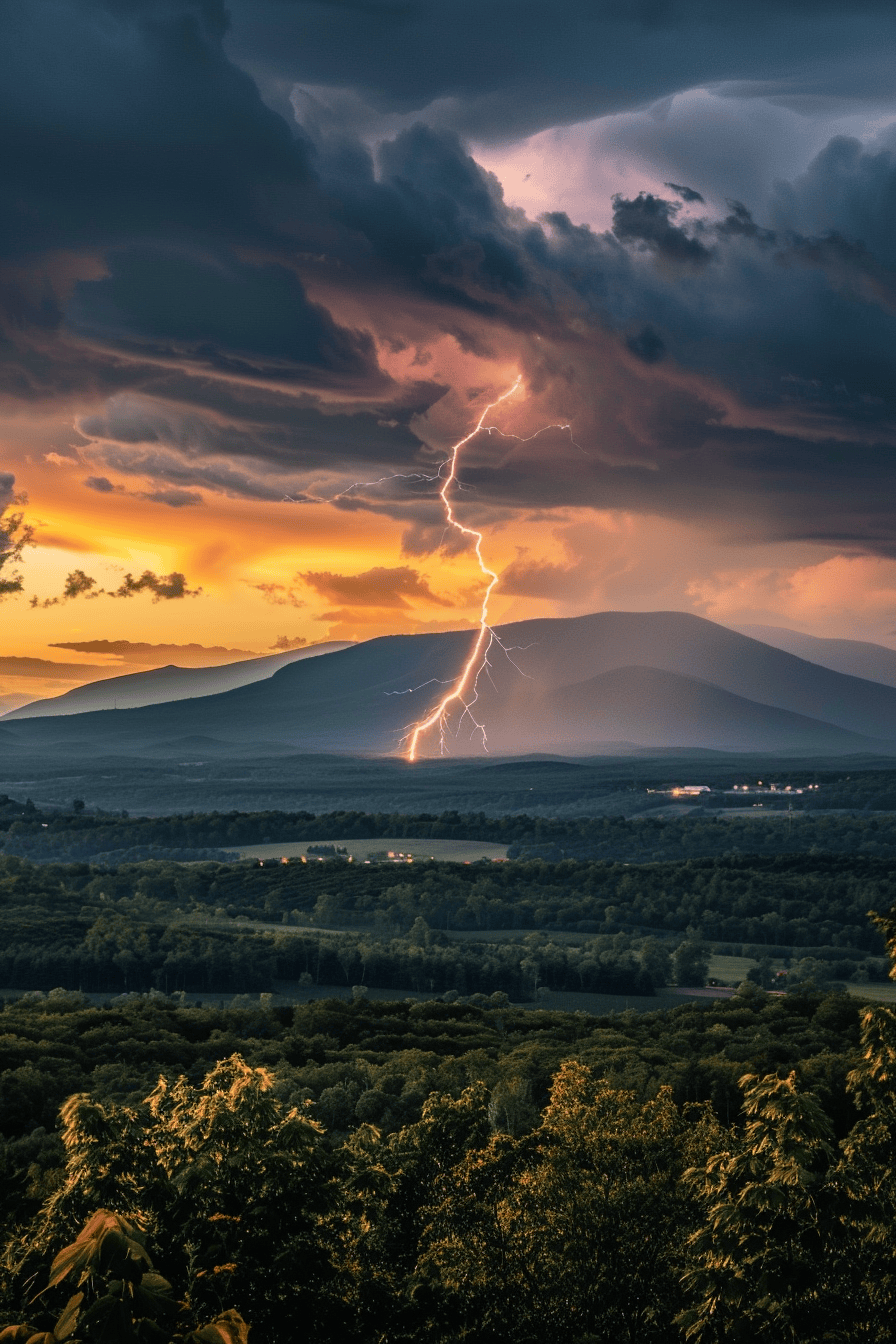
(691, 963)
(767, 1252)
(248, 1192)
(572, 1232)
(868, 1168)
(169, 927)
(367, 1171)
(55, 835)
(528, 1194)
(232, 1186)
(118, 1296)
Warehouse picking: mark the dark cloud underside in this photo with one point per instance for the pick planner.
(210, 288)
(509, 68)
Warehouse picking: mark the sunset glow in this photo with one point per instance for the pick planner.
(236, 356)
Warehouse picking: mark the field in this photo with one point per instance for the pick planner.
(451, 851)
(732, 970)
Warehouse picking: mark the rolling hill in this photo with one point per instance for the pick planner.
(163, 684)
(664, 679)
(662, 709)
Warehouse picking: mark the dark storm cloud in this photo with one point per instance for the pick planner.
(511, 68)
(254, 449)
(647, 344)
(847, 189)
(741, 222)
(174, 499)
(795, 325)
(778, 316)
(217, 312)
(124, 120)
(744, 485)
(131, 144)
(648, 220)
(425, 537)
(165, 229)
(687, 194)
(432, 219)
(239, 482)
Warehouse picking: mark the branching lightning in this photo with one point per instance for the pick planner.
(477, 661)
(465, 687)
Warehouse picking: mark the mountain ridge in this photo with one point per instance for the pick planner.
(363, 698)
(855, 657)
(160, 685)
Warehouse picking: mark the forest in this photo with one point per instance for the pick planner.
(593, 927)
(453, 1160)
(435, 1172)
(172, 781)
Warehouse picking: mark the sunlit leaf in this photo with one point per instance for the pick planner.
(68, 1321)
(230, 1328)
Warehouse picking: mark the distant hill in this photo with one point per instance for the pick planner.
(12, 700)
(855, 657)
(164, 684)
(662, 680)
(663, 709)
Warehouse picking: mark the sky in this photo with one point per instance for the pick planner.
(262, 265)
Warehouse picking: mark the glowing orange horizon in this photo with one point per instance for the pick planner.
(476, 660)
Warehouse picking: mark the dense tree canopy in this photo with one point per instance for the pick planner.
(451, 1168)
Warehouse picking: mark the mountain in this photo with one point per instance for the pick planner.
(163, 684)
(662, 709)
(855, 657)
(656, 679)
(12, 700)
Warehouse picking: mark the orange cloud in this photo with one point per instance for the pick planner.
(377, 587)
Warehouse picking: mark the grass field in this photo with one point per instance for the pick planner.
(884, 992)
(516, 936)
(732, 970)
(452, 851)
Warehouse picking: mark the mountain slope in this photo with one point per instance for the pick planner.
(163, 684)
(663, 709)
(855, 657)
(362, 698)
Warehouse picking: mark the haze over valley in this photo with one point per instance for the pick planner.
(612, 684)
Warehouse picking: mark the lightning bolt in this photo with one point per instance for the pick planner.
(477, 660)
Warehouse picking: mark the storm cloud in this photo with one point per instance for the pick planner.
(508, 69)
(231, 244)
